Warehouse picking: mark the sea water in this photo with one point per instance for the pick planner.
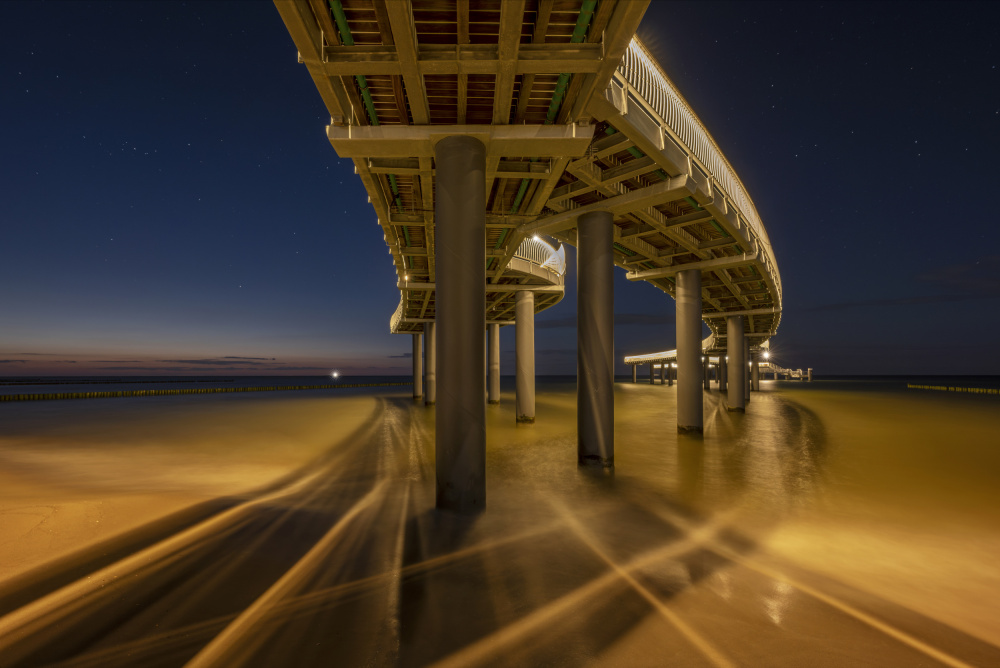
(890, 491)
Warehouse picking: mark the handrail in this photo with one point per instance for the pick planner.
(706, 344)
(532, 250)
(543, 254)
(397, 316)
(644, 75)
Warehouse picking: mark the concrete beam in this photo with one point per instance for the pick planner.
(618, 33)
(459, 59)
(665, 191)
(511, 14)
(490, 287)
(747, 312)
(407, 141)
(405, 35)
(704, 265)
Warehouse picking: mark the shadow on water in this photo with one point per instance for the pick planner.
(347, 562)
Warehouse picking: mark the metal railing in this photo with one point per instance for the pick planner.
(543, 254)
(641, 72)
(397, 317)
(706, 344)
(532, 250)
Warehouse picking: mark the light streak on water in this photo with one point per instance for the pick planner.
(768, 541)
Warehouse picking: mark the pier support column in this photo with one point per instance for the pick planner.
(652, 374)
(707, 368)
(735, 348)
(418, 367)
(670, 374)
(746, 369)
(755, 373)
(663, 373)
(430, 363)
(460, 213)
(635, 372)
(524, 352)
(690, 404)
(595, 340)
(494, 363)
(722, 372)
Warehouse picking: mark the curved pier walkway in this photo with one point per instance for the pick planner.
(479, 127)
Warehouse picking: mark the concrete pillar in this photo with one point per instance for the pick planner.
(755, 373)
(430, 363)
(663, 373)
(460, 213)
(635, 372)
(723, 371)
(735, 348)
(706, 371)
(595, 340)
(671, 374)
(524, 352)
(418, 368)
(690, 405)
(494, 363)
(652, 378)
(746, 369)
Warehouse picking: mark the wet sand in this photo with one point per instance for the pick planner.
(823, 528)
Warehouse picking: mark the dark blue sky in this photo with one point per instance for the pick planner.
(171, 204)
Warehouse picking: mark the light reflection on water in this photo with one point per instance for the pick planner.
(691, 550)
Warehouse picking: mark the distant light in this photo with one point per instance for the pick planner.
(767, 355)
(335, 374)
(406, 277)
(536, 238)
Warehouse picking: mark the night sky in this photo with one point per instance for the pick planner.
(171, 205)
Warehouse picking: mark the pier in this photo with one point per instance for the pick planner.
(479, 131)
